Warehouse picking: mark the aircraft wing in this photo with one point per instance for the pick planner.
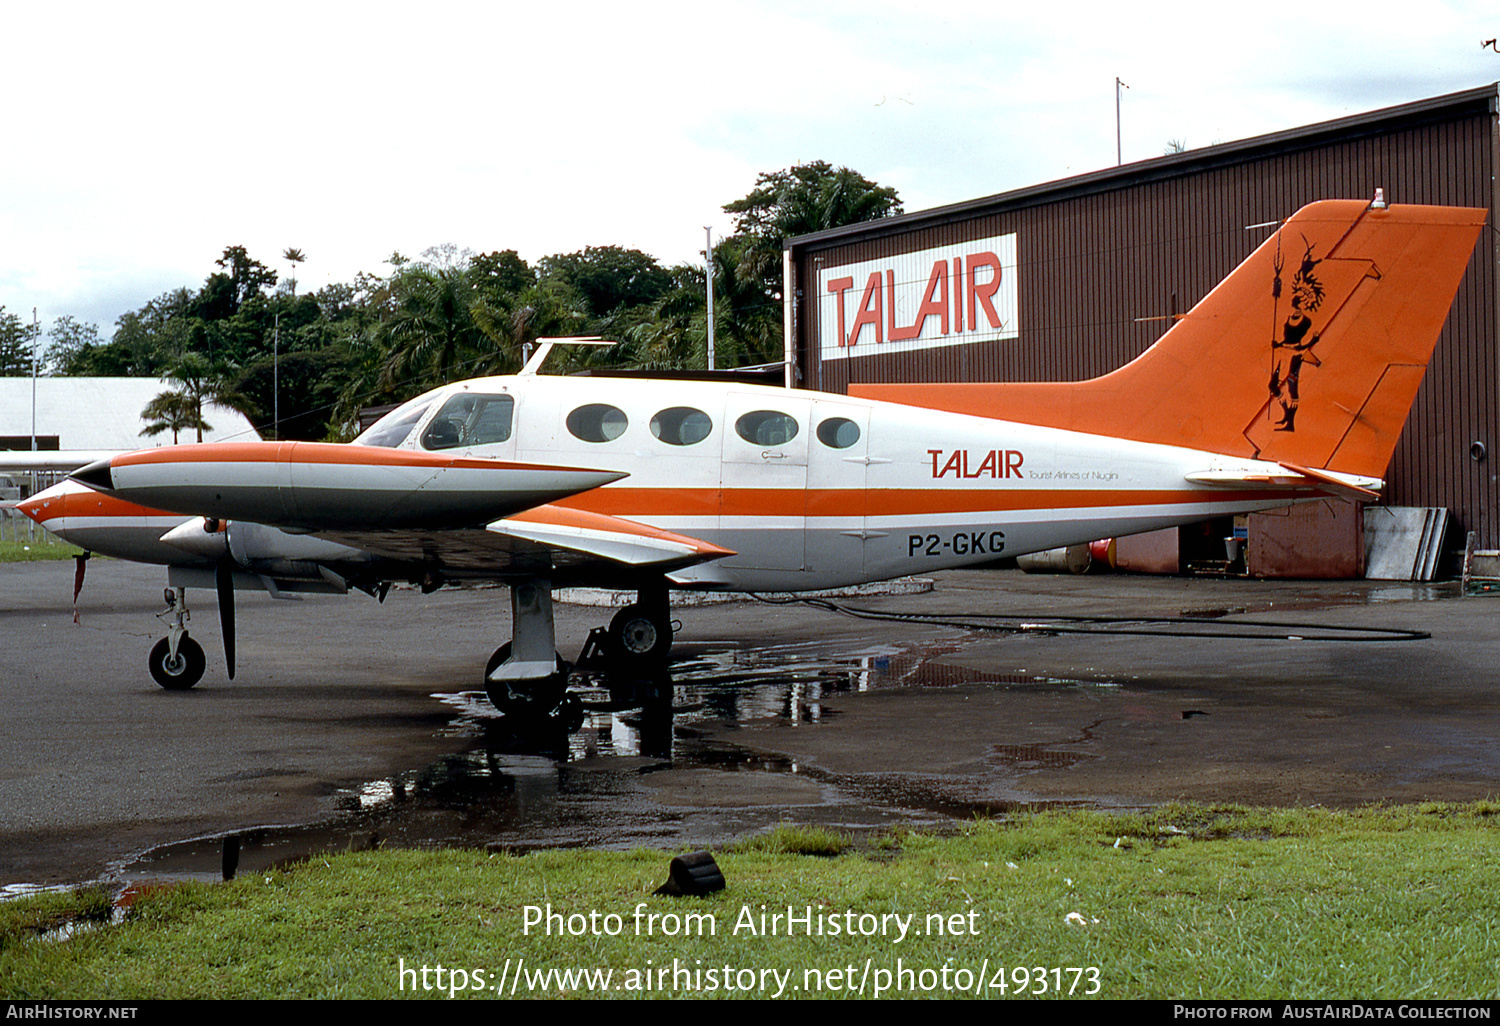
(448, 515)
(545, 539)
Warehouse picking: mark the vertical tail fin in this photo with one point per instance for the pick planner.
(1309, 353)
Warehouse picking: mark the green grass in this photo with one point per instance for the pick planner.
(791, 839)
(23, 552)
(1183, 902)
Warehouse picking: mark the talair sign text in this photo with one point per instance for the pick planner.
(944, 296)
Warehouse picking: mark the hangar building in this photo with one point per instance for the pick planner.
(1097, 265)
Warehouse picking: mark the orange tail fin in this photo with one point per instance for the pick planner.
(1310, 353)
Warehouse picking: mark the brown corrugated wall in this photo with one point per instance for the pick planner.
(1104, 259)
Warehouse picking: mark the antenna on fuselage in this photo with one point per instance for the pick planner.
(544, 348)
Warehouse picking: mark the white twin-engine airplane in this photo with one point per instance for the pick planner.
(1290, 381)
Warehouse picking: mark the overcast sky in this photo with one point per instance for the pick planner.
(140, 139)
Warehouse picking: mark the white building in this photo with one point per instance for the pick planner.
(99, 413)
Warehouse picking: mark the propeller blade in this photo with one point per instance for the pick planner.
(224, 585)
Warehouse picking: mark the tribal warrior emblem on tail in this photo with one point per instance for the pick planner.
(1297, 335)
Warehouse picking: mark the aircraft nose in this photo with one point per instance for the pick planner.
(95, 475)
(34, 507)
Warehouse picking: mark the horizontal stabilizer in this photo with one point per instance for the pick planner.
(1343, 486)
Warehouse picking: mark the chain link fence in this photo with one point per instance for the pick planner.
(16, 526)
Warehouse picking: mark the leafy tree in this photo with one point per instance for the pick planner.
(16, 340)
(747, 318)
(71, 345)
(309, 382)
(608, 277)
(248, 277)
(548, 309)
(501, 273)
(139, 347)
(748, 273)
(226, 291)
(798, 201)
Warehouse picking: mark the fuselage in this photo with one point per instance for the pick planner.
(814, 490)
(809, 490)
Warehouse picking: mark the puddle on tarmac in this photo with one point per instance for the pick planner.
(1333, 594)
(516, 791)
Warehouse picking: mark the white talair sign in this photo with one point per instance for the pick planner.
(944, 296)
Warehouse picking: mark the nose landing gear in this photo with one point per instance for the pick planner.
(177, 661)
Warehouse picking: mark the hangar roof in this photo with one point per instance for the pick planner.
(102, 413)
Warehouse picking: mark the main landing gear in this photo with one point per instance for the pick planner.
(526, 677)
(640, 635)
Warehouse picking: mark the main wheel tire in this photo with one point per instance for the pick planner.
(540, 696)
(181, 673)
(638, 638)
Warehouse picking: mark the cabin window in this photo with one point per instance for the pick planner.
(597, 422)
(681, 425)
(766, 427)
(838, 432)
(391, 430)
(470, 418)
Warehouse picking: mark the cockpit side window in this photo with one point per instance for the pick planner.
(391, 430)
(470, 418)
(597, 422)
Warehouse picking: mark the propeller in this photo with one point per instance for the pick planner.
(224, 585)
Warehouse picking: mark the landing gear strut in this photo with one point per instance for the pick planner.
(526, 677)
(177, 661)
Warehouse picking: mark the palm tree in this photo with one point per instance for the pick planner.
(174, 412)
(182, 407)
(431, 331)
(293, 257)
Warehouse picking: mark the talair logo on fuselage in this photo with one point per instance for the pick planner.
(942, 296)
(991, 463)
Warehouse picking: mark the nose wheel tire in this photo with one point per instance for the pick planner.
(180, 673)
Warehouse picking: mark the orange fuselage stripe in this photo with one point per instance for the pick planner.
(321, 453)
(855, 502)
(92, 504)
(749, 503)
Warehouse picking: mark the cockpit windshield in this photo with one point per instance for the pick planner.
(391, 430)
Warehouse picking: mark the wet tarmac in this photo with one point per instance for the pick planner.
(354, 724)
